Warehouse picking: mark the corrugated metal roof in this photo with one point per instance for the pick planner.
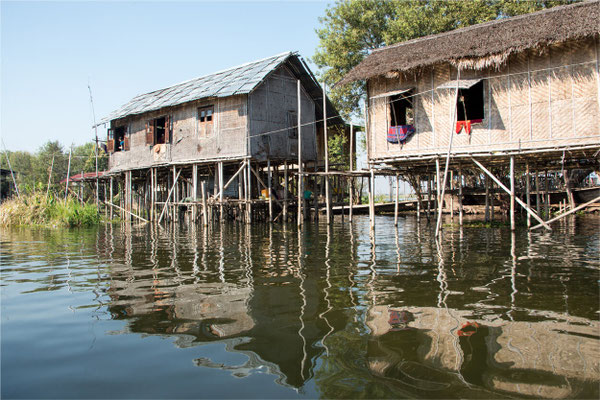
(237, 80)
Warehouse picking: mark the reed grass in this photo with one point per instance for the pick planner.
(38, 209)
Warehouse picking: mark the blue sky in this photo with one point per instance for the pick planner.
(50, 50)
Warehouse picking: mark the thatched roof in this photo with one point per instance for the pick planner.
(482, 45)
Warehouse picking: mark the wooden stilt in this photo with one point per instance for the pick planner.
(507, 190)
(285, 191)
(527, 193)
(326, 144)
(300, 179)
(429, 185)
(570, 196)
(537, 193)
(512, 193)
(204, 208)
(437, 185)
(418, 193)
(452, 195)
(249, 200)
(270, 190)
(460, 196)
(397, 200)
(547, 196)
(111, 197)
(221, 190)
(492, 201)
(351, 200)
(372, 199)
(571, 211)
(487, 198)
(195, 192)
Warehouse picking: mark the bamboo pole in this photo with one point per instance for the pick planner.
(269, 190)
(418, 193)
(50, 176)
(326, 140)
(169, 196)
(396, 200)
(69, 172)
(128, 212)
(537, 192)
(111, 197)
(460, 196)
(230, 181)
(527, 193)
(487, 198)
(512, 193)
(547, 195)
(221, 190)
(249, 199)
(194, 192)
(452, 195)
(507, 190)
(285, 190)
(579, 207)
(351, 199)
(300, 180)
(437, 185)
(372, 199)
(204, 208)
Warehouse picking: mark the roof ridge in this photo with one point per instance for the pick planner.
(483, 24)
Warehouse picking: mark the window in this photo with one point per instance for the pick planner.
(158, 131)
(401, 109)
(118, 139)
(205, 121)
(292, 120)
(469, 104)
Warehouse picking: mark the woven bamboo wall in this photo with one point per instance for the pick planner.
(538, 99)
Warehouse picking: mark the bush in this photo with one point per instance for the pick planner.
(37, 209)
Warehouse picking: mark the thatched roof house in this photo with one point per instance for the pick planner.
(482, 45)
(528, 87)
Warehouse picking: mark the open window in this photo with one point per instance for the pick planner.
(469, 104)
(401, 109)
(158, 131)
(205, 121)
(118, 139)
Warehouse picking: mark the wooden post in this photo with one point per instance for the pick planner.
(300, 180)
(285, 190)
(204, 208)
(372, 199)
(512, 193)
(69, 173)
(397, 200)
(492, 201)
(429, 184)
(437, 185)
(249, 199)
(579, 207)
(547, 195)
(351, 199)
(326, 140)
(246, 195)
(570, 196)
(537, 193)
(111, 197)
(527, 193)
(418, 193)
(240, 189)
(221, 190)
(487, 198)
(451, 195)
(269, 189)
(195, 192)
(460, 196)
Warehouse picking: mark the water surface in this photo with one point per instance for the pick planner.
(236, 311)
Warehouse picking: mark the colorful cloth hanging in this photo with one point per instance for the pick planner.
(400, 133)
(467, 125)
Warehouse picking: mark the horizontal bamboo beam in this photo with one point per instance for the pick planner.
(579, 207)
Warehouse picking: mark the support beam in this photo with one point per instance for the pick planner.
(204, 207)
(269, 190)
(194, 192)
(169, 196)
(285, 191)
(128, 212)
(397, 200)
(460, 196)
(527, 193)
(221, 190)
(487, 198)
(326, 144)
(372, 199)
(111, 198)
(529, 210)
(512, 193)
(300, 179)
(579, 207)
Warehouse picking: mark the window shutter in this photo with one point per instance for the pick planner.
(126, 144)
(110, 142)
(169, 130)
(150, 132)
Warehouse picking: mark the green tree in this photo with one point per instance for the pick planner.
(351, 29)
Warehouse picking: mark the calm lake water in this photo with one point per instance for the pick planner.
(267, 312)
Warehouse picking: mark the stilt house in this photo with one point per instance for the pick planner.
(525, 88)
(209, 126)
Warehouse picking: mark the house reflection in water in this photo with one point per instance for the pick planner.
(438, 348)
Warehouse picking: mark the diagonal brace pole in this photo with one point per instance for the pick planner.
(507, 190)
(169, 197)
(579, 207)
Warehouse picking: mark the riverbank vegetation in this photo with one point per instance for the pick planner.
(37, 208)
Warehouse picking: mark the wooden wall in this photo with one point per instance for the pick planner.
(538, 99)
(269, 105)
(227, 141)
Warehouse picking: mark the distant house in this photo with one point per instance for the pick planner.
(529, 86)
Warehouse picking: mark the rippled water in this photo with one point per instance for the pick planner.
(267, 312)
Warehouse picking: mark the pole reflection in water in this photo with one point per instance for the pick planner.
(239, 310)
